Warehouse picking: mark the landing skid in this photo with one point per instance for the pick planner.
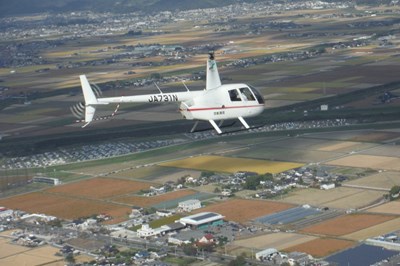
(240, 130)
(220, 125)
(194, 130)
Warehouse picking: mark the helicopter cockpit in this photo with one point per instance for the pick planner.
(245, 94)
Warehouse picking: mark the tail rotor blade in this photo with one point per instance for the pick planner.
(96, 89)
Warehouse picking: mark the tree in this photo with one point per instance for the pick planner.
(189, 250)
(155, 76)
(252, 182)
(70, 258)
(394, 192)
(239, 261)
(207, 174)
(182, 180)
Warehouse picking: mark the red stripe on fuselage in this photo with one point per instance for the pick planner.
(222, 108)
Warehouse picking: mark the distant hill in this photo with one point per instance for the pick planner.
(26, 7)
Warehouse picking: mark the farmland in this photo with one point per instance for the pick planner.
(110, 196)
(148, 201)
(99, 188)
(242, 210)
(11, 254)
(353, 222)
(375, 230)
(64, 207)
(384, 179)
(232, 165)
(341, 197)
(322, 247)
(392, 207)
(278, 240)
(369, 161)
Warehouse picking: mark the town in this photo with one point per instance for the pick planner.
(313, 180)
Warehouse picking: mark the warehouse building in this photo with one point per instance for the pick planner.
(202, 220)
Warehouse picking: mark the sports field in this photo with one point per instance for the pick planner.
(232, 165)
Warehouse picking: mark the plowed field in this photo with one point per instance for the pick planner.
(241, 210)
(100, 188)
(347, 224)
(322, 247)
(148, 201)
(63, 207)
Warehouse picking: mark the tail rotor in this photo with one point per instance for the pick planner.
(84, 111)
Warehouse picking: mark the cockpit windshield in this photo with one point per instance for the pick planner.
(246, 94)
(258, 95)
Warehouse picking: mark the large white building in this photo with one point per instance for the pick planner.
(202, 219)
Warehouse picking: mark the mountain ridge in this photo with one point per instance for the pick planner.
(26, 7)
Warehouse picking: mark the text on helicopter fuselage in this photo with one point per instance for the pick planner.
(163, 98)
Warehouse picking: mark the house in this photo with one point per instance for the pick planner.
(207, 239)
(185, 237)
(136, 212)
(163, 213)
(189, 205)
(4, 212)
(327, 186)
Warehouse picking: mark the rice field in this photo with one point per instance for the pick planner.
(232, 165)
(369, 161)
(322, 247)
(347, 224)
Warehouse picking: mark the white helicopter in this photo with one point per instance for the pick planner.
(216, 102)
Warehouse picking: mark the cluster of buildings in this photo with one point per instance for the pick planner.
(288, 56)
(94, 24)
(308, 176)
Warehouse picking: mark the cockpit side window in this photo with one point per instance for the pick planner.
(234, 95)
(246, 94)
(258, 95)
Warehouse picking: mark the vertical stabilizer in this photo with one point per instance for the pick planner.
(88, 93)
(90, 100)
(212, 79)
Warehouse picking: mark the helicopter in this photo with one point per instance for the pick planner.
(217, 102)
